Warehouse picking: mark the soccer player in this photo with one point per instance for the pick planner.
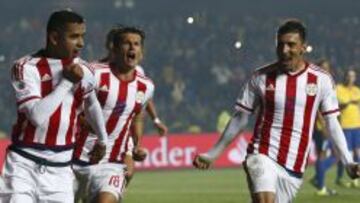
(286, 96)
(348, 95)
(150, 108)
(122, 93)
(51, 88)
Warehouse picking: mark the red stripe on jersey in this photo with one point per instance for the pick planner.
(119, 107)
(288, 121)
(76, 103)
(329, 112)
(103, 93)
(45, 76)
(46, 87)
(141, 88)
(27, 99)
(53, 128)
(303, 145)
(268, 112)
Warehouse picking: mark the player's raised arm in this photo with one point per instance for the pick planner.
(38, 109)
(237, 123)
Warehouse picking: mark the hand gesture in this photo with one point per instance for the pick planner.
(202, 161)
(97, 153)
(139, 154)
(162, 128)
(73, 73)
(353, 170)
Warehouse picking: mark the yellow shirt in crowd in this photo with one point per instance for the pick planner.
(350, 115)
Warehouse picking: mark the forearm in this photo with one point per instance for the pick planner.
(151, 110)
(95, 117)
(138, 128)
(338, 138)
(40, 111)
(237, 123)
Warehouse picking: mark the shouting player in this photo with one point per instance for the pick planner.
(122, 93)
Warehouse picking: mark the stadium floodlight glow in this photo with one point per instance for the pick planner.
(190, 20)
(237, 45)
(309, 49)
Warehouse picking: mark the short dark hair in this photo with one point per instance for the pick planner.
(110, 36)
(59, 19)
(118, 32)
(293, 26)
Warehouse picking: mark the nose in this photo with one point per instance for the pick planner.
(284, 49)
(80, 43)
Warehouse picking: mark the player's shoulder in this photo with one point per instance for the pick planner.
(318, 71)
(140, 70)
(262, 71)
(27, 60)
(144, 79)
(266, 69)
(24, 64)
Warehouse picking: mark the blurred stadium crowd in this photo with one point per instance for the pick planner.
(198, 54)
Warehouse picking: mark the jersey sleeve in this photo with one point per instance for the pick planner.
(329, 104)
(246, 101)
(26, 83)
(149, 94)
(88, 82)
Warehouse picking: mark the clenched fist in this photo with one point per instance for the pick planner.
(353, 170)
(139, 154)
(202, 161)
(73, 73)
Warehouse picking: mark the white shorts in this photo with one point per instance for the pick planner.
(29, 182)
(105, 177)
(265, 175)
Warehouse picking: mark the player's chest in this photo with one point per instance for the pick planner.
(121, 98)
(292, 93)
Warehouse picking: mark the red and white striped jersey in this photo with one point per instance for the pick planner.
(120, 102)
(33, 78)
(286, 107)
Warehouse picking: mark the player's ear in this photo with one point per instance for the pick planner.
(303, 48)
(53, 38)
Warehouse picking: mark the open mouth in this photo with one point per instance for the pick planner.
(131, 56)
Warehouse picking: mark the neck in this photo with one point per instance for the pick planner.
(296, 67)
(51, 52)
(123, 73)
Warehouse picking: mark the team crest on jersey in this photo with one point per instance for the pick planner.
(140, 97)
(311, 89)
(19, 85)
